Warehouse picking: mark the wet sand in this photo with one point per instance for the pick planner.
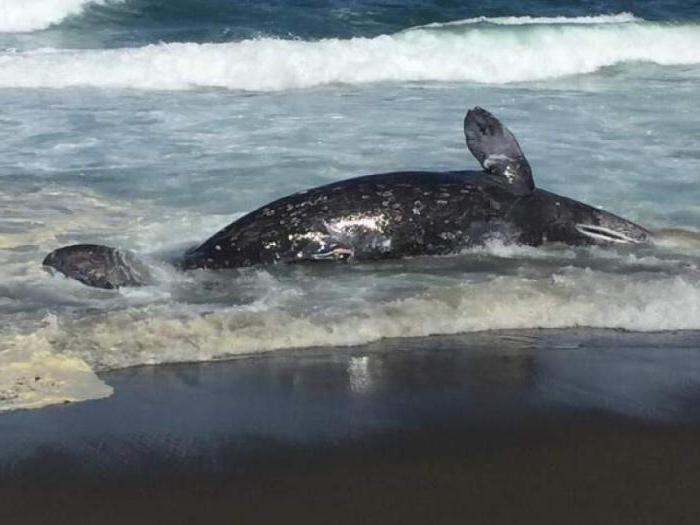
(574, 426)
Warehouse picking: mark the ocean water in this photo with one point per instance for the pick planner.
(150, 124)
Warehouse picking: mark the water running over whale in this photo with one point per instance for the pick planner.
(384, 216)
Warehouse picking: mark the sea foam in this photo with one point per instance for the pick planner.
(571, 297)
(619, 18)
(18, 16)
(33, 376)
(494, 54)
(64, 353)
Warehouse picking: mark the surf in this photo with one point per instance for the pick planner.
(494, 53)
(19, 16)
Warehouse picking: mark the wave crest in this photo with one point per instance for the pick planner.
(19, 16)
(496, 54)
(570, 298)
(619, 18)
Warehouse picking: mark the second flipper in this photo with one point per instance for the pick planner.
(99, 266)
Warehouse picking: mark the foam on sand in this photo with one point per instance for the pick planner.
(33, 376)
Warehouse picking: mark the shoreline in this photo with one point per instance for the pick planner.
(580, 425)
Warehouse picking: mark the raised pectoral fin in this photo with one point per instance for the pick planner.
(496, 149)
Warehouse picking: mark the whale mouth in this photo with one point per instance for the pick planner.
(602, 234)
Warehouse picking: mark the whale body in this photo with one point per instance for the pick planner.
(386, 216)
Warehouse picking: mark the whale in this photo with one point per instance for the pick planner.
(384, 216)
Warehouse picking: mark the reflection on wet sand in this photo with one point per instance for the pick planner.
(326, 395)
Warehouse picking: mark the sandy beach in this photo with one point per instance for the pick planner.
(573, 426)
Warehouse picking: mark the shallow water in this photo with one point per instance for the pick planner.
(142, 125)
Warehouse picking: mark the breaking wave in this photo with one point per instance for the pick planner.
(501, 52)
(17, 16)
(571, 297)
(202, 316)
(619, 18)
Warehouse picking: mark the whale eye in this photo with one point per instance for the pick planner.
(602, 234)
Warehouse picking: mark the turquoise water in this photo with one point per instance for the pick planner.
(149, 125)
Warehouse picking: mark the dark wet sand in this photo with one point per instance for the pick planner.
(546, 427)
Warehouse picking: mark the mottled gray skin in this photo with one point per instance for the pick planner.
(99, 266)
(395, 215)
(387, 216)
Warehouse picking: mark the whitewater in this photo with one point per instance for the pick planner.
(33, 15)
(122, 124)
(509, 51)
